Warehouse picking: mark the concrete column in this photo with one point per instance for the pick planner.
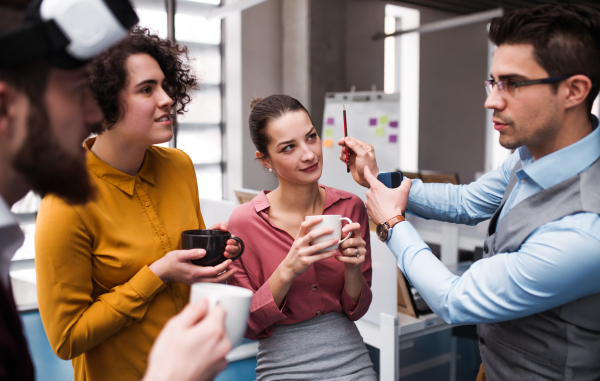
(261, 77)
(327, 54)
(296, 50)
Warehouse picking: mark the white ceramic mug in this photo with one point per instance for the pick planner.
(333, 221)
(236, 302)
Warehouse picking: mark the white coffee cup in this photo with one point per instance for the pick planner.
(333, 221)
(236, 302)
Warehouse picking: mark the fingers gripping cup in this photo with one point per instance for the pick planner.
(234, 300)
(329, 221)
(213, 241)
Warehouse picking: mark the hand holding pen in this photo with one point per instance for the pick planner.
(360, 154)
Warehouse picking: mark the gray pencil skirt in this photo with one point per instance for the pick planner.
(327, 347)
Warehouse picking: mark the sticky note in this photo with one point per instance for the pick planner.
(330, 121)
(379, 131)
(393, 138)
(373, 122)
(328, 143)
(329, 132)
(383, 120)
(394, 123)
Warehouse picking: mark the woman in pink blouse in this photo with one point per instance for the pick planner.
(304, 303)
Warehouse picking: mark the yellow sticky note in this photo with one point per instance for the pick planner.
(379, 131)
(328, 143)
(383, 120)
(329, 132)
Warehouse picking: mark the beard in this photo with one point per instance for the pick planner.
(49, 168)
(535, 132)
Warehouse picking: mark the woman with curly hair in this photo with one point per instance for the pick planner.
(109, 272)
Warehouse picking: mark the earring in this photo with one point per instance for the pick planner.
(270, 169)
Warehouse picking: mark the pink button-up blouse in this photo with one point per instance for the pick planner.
(318, 291)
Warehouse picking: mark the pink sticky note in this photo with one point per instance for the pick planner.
(330, 121)
(373, 122)
(393, 138)
(394, 123)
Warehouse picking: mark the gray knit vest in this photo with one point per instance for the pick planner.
(558, 344)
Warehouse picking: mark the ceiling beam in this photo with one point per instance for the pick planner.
(447, 23)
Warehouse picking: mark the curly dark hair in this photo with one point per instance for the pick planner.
(109, 75)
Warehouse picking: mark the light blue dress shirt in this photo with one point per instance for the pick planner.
(558, 263)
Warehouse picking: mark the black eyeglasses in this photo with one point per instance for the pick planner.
(510, 87)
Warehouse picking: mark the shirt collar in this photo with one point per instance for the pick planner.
(332, 195)
(121, 180)
(564, 163)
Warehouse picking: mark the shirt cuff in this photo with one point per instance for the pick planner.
(146, 283)
(263, 307)
(405, 242)
(359, 308)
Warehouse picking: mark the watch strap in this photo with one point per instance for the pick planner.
(394, 220)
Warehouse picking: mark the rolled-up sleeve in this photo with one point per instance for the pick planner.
(355, 311)
(264, 313)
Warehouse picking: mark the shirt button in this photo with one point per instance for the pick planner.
(485, 249)
(523, 181)
(162, 233)
(318, 313)
(147, 204)
(313, 287)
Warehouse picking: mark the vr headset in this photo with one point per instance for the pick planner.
(68, 33)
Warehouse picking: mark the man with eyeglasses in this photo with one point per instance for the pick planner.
(46, 110)
(536, 294)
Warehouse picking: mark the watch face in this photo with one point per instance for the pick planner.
(382, 232)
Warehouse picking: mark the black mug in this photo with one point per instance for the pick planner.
(213, 241)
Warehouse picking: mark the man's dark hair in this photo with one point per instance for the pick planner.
(109, 74)
(565, 38)
(29, 79)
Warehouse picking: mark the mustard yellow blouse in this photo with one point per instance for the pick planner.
(100, 304)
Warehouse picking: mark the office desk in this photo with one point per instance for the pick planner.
(395, 333)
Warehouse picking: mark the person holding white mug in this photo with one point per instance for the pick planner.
(305, 299)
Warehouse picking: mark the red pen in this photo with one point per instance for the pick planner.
(345, 136)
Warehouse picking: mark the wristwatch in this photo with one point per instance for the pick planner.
(383, 229)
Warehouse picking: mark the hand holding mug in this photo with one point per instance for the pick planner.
(234, 300)
(177, 266)
(214, 242)
(333, 221)
(353, 249)
(302, 255)
(233, 247)
(191, 335)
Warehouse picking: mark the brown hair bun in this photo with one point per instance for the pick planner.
(254, 102)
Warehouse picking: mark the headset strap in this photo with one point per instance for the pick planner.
(30, 42)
